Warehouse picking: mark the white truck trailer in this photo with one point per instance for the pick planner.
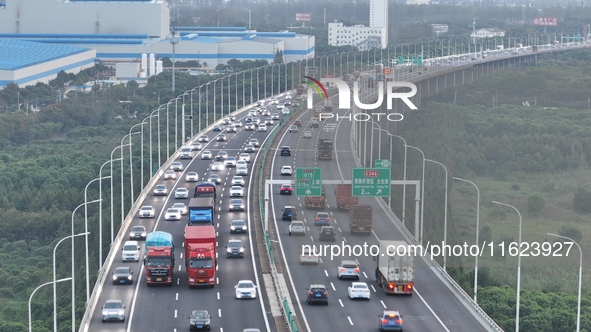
(395, 267)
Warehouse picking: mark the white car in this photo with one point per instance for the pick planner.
(254, 142)
(256, 121)
(238, 124)
(215, 178)
(249, 148)
(245, 157)
(280, 106)
(147, 211)
(172, 214)
(203, 139)
(246, 289)
(217, 166)
(293, 129)
(181, 193)
(269, 121)
(176, 166)
(285, 110)
(241, 170)
(348, 269)
(196, 146)
(307, 134)
(275, 116)
(307, 256)
(230, 162)
(221, 137)
(181, 207)
(206, 155)
(263, 127)
(160, 190)
(236, 191)
(242, 162)
(192, 177)
(169, 175)
(113, 310)
(231, 129)
(297, 227)
(274, 101)
(266, 113)
(252, 112)
(358, 290)
(285, 170)
(238, 181)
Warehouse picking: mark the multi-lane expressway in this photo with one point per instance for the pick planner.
(433, 307)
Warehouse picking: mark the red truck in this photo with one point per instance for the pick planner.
(316, 202)
(344, 196)
(200, 255)
(159, 258)
(300, 88)
(360, 219)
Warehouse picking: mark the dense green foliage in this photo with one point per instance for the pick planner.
(535, 157)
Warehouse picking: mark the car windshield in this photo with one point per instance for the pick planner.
(160, 187)
(199, 315)
(138, 229)
(214, 176)
(237, 223)
(179, 205)
(113, 305)
(181, 190)
(172, 211)
(205, 263)
(129, 247)
(234, 244)
(317, 290)
(323, 215)
(236, 201)
(122, 270)
(245, 285)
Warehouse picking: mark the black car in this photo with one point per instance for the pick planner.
(236, 205)
(234, 248)
(289, 213)
(327, 233)
(317, 293)
(122, 275)
(137, 233)
(200, 320)
(285, 151)
(238, 226)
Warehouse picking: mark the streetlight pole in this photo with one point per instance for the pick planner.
(54, 285)
(422, 195)
(130, 171)
(101, 211)
(518, 265)
(36, 289)
(477, 233)
(404, 178)
(112, 209)
(74, 268)
(87, 232)
(580, 277)
(445, 212)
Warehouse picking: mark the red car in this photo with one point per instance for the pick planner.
(297, 123)
(286, 189)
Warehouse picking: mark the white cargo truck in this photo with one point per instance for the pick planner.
(395, 267)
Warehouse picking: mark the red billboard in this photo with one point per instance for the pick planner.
(545, 21)
(303, 17)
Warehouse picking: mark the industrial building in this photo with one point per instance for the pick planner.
(123, 30)
(360, 36)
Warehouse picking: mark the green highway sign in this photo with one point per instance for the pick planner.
(383, 163)
(371, 182)
(308, 181)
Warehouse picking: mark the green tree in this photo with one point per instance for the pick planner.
(582, 201)
(571, 231)
(535, 205)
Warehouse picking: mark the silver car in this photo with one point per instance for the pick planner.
(113, 310)
(206, 155)
(169, 175)
(348, 269)
(308, 257)
(297, 227)
(238, 181)
(241, 170)
(147, 211)
(245, 157)
(172, 214)
(181, 207)
(236, 191)
(192, 177)
(160, 190)
(176, 166)
(181, 193)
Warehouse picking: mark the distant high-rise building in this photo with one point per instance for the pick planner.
(360, 36)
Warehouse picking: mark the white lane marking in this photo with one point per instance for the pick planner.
(374, 290)
(176, 297)
(218, 295)
(334, 289)
(383, 304)
(341, 302)
(365, 275)
(175, 313)
(350, 321)
(431, 310)
(325, 272)
(220, 312)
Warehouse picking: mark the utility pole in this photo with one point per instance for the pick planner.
(474, 31)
